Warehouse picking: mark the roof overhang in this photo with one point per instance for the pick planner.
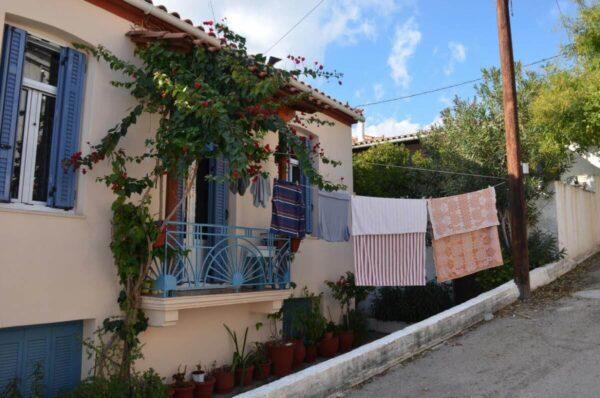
(170, 27)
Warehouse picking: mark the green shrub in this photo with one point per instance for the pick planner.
(412, 303)
(145, 385)
(543, 249)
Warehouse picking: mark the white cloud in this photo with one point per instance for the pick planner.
(263, 22)
(378, 91)
(458, 53)
(390, 127)
(406, 39)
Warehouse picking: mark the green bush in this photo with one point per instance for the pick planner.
(145, 385)
(412, 303)
(543, 249)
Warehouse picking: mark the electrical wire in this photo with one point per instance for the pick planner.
(295, 25)
(435, 90)
(212, 9)
(435, 171)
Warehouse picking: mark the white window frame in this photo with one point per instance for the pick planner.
(35, 92)
(293, 163)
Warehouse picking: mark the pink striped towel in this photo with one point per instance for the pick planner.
(389, 260)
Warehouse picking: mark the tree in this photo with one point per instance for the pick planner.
(211, 102)
(569, 102)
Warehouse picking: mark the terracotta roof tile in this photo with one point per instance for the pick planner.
(200, 27)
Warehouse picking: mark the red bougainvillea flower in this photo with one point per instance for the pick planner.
(198, 85)
(209, 23)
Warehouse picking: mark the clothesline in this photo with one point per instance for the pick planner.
(418, 168)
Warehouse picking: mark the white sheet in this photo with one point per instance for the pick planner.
(378, 216)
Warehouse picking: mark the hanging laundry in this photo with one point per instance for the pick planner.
(333, 209)
(465, 234)
(288, 210)
(260, 190)
(388, 237)
(239, 186)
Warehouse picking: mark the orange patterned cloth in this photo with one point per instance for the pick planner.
(458, 255)
(465, 234)
(463, 213)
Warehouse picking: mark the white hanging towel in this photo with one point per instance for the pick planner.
(379, 216)
(388, 237)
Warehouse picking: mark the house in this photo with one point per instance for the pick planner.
(412, 141)
(58, 279)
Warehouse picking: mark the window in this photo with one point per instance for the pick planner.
(294, 173)
(41, 90)
(31, 159)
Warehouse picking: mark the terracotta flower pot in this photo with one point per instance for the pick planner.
(295, 244)
(262, 371)
(346, 339)
(311, 354)
(184, 391)
(243, 377)
(282, 356)
(299, 353)
(205, 389)
(327, 335)
(329, 347)
(224, 381)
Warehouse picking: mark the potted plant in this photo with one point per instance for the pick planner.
(329, 345)
(280, 352)
(345, 291)
(313, 325)
(204, 388)
(182, 388)
(198, 374)
(261, 362)
(241, 363)
(224, 379)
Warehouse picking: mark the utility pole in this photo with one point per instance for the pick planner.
(516, 196)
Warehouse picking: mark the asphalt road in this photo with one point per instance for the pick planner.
(547, 347)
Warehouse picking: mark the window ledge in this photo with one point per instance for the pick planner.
(38, 209)
(164, 311)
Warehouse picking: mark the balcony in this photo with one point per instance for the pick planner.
(207, 265)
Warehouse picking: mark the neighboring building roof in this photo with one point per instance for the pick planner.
(160, 24)
(370, 141)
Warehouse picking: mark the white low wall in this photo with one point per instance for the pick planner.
(358, 365)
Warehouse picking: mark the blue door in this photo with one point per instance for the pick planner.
(55, 347)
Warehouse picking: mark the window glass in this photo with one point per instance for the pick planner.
(42, 154)
(18, 154)
(294, 173)
(41, 63)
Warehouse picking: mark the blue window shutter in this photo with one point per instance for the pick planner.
(11, 74)
(11, 354)
(307, 193)
(218, 193)
(37, 350)
(65, 357)
(67, 121)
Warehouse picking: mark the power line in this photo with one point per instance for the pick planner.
(559, 10)
(295, 25)
(212, 9)
(435, 171)
(435, 90)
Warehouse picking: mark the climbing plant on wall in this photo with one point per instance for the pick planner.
(210, 104)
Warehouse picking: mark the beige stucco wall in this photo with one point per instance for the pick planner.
(577, 219)
(58, 266)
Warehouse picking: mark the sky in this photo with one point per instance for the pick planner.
(391, 48)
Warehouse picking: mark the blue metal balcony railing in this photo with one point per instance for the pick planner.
(212, 257)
